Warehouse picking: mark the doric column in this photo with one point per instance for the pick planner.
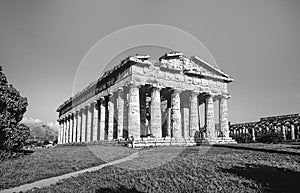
(89, 122)
(298, 131)
(68, 129)
(134, 123)
(71, 127)
(110, 103)
(102, 118)
(60, 131)
(63, 131)
(176, 114)
(169, 122)
(75, 126)
(253, 134)
(79, 128)
(125, 114)
(84, 125)
(283, 132)
(210, 118)
(293, 132)
(95, 128)
(223, 116)
(120, 112)
(155, 113)
(194, 117)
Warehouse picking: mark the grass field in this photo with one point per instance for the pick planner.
(195, 169)
(46, 163)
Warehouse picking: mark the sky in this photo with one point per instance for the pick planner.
(43, 43)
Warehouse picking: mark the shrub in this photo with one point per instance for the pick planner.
(242, 138)
(13, 135)
(269, 137)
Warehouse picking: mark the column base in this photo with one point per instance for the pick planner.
(168, 141)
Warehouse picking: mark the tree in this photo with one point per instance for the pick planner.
(12, 107)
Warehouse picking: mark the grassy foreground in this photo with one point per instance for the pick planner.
(46, 163)
(196, 169)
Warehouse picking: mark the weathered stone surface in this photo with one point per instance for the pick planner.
(110, 103)
(89, 122)
(126, 113)
(293, 132)
(175, 114)
(84, 124)
(95, 127)
(79, 128)
(194, 117)
(155, 110)
(210, 118)
(75, 126)
(285, 124)
(71, 128)
(134, 123)
(68, 129)
(120, 112)
(224, 117)
(102, 118)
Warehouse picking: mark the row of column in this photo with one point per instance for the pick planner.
(282, 129)
(96, 121)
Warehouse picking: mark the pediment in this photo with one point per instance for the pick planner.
(209, 69)
(192, 66)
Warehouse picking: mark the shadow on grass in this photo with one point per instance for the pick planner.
(121, 189)
(272, 179)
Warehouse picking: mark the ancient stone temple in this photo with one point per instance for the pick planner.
(152, 102)
(287, 125)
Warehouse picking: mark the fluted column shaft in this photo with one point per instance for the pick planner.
(84, 125)
(79, 129)
(102, 118)
(176, 114)
(224, 126)
(68, 130)
(194, 117)
(110, 103)
(95, 127)
(71, 128)
(210, 118)
(169, 122)
(120, 112)
(253, 134)
(89, 122)
(155, 113)
(63, 131)
(134, 123)
(60, 132)
(75, 126)
(283, 132)
(293, 132)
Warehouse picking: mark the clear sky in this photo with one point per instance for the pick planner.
(256, 42)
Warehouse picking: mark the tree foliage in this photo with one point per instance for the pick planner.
(269, 137)
(12, 107)
(242, 138)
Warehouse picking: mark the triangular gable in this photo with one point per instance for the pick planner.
(210, 69)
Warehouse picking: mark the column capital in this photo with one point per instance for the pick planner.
(156, 88)
(133, 84)
(195, 92)
(177, 91)
(102, 98)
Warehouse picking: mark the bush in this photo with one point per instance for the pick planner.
(13, 135)
(242, 138)
(269, 137)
